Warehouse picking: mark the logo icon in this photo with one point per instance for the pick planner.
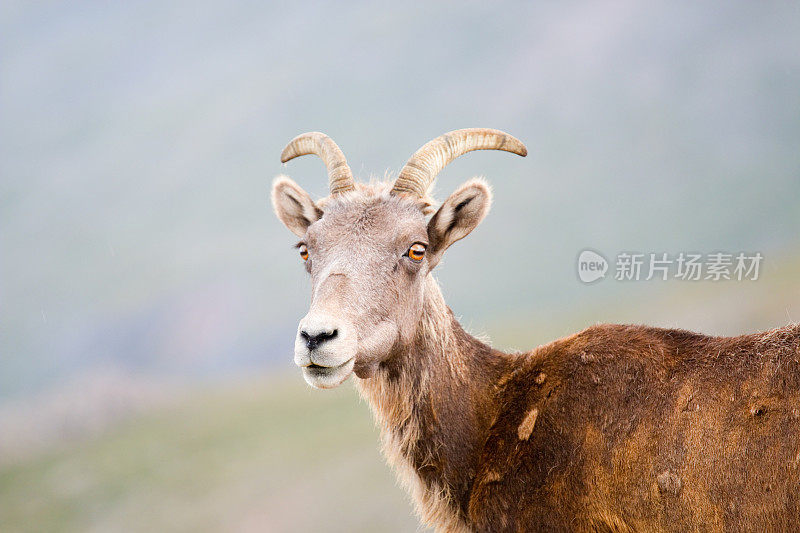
(591, 266)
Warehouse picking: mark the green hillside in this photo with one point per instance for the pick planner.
(262, 456)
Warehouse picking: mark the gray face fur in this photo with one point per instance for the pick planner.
(367, 290)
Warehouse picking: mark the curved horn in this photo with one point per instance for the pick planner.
(314, 142)
(420, 171)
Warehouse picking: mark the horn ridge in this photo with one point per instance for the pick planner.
(340, 176)
(421, 170)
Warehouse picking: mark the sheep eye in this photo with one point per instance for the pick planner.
(303, 252)
(416, 252)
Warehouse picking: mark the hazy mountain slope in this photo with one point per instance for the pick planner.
(262, 456)
(138, 142)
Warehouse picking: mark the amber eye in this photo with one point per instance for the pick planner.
(416, 252)
(303, 252)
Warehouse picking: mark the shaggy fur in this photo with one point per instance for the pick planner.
(645, 429)
(616, 428)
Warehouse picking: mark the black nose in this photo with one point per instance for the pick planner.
(312, 341)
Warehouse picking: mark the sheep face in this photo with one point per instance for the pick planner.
(368, 253)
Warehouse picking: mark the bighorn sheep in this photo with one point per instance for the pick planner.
(615, 428)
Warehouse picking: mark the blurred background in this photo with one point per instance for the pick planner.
(149, 297)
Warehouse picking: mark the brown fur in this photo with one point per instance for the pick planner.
(635, 429)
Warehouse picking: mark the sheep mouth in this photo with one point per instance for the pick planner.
(322, 368)
(326, 377)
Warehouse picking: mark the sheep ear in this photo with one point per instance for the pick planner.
(293, 206)
(459, 215)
